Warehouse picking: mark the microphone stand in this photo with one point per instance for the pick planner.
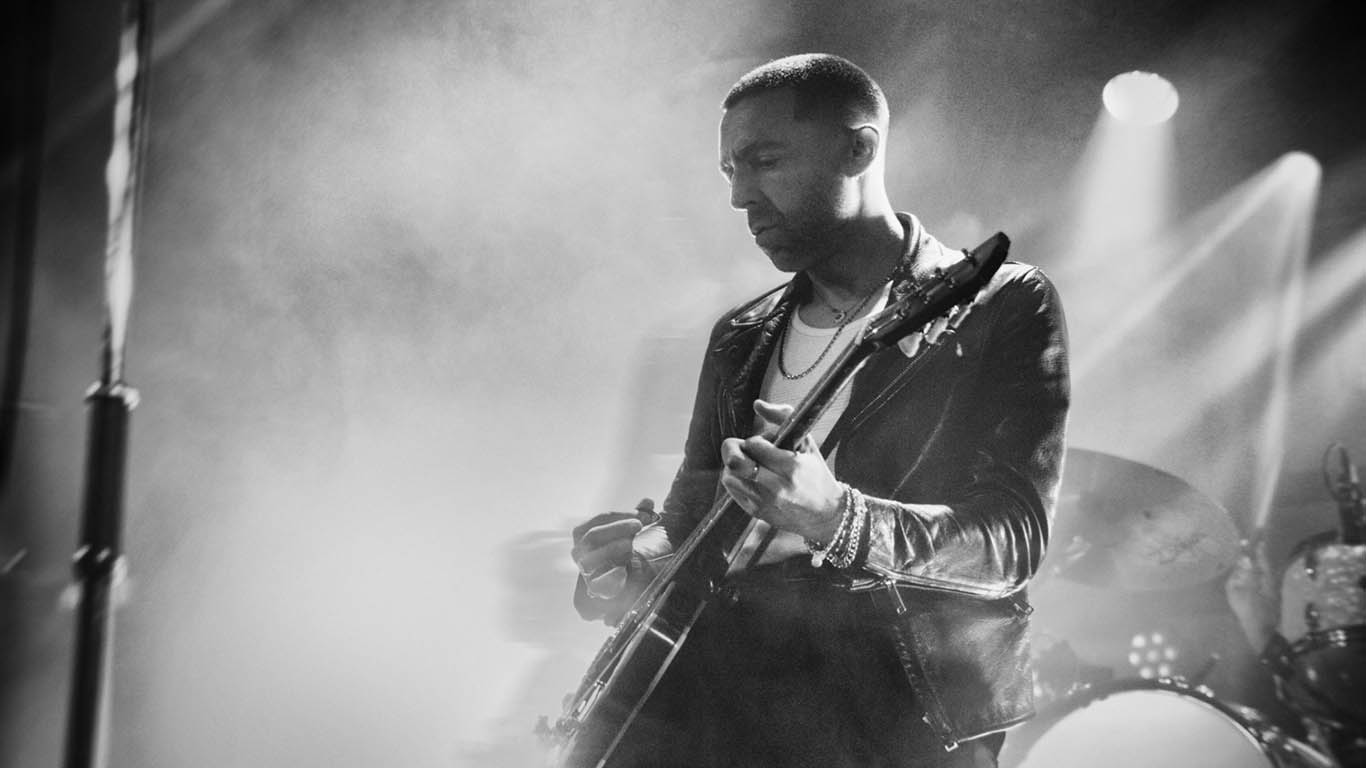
(98, 566)
(98, 559)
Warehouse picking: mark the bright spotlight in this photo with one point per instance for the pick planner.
(1302, 168)
(1140, 98)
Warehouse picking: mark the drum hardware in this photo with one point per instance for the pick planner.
(1346, 491)
(1059, 673)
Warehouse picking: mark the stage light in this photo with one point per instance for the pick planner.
(1140, 98)
(1301, 169)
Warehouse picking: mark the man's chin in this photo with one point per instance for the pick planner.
(784, 260)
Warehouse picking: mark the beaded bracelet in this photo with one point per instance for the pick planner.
(845, 555)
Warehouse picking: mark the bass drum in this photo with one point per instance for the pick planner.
(1145, 723)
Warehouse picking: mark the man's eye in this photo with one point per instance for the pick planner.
(765, 162)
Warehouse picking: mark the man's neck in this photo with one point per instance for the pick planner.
(868, 251)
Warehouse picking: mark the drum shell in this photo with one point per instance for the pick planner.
(1139, 723)
(1323, 588)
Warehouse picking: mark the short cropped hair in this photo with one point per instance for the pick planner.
(825, 86)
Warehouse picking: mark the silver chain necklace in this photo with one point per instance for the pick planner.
(848, 316)
(839, 314)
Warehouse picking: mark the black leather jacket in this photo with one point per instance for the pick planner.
(959, 451)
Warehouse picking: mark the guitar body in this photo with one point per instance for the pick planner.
(597, 719)
(621, 689)
(633, 661)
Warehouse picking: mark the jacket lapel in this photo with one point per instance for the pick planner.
(743, 351)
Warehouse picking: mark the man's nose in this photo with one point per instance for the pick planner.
(742, 191)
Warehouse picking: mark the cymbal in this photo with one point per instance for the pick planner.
(1125, 525)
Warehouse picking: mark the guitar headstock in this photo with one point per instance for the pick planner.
(947, 287)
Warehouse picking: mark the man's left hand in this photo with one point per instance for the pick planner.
(791, 490)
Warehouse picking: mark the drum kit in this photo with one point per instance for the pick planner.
(1132, 620)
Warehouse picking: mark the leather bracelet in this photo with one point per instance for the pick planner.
(821, 552)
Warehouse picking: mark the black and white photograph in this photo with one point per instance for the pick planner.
(632, 384)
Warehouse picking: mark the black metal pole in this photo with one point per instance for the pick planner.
(97, 564)
(99, 555)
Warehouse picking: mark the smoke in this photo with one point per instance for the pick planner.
(396, 266)
(420, 285)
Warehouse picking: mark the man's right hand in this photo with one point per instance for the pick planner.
(602, 551)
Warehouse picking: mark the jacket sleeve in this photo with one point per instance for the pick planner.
(695, 485)
(691, 495)
(988, 537)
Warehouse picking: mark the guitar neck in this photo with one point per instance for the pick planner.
(822, 393)
(804, 415)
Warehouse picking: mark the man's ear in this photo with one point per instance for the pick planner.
(864, 142)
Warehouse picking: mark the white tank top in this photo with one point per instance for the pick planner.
(799, 349)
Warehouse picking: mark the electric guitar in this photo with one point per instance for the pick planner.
(634, 658)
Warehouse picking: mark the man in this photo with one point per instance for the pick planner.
(875, 615)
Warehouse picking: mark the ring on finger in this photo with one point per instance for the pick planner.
(754, 476)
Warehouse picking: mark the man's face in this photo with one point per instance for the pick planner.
(786, 175)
